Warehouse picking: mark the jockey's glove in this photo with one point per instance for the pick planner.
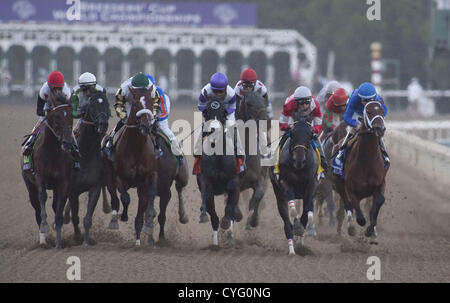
(122, 115)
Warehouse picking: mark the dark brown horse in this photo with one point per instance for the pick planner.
(134, 162)
(252, 109)
(93, 126)
(325, 188)
(365, 171)
(52, 165)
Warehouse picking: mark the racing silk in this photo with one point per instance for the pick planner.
(229, 98)
(290, 106)
(44, 93)
(354, 106)
(259, 88)
(124, 96)
(164, 105)
(332, 117)
(79, 98)
(329, 88)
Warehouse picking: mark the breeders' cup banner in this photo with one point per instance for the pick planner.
(149, 12)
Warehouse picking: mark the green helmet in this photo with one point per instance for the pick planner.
(140, 80)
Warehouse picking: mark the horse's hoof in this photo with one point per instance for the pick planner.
(204, 218)
(332, 224)
(107, 209)
(113, 225)
(184, 219)
(291, 253)
(238, 215)
(311, 231)
(298, 228)
(124, 217)
(252, 221)
(351, 231)
(361, 221)
(151, 242)
(225, 223)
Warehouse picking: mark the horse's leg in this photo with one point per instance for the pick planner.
(67, 214)
(290, 197)
(111, 186)
(74, 205)
(258, 194)
(94, 194)
(143, 195)
(164, 199)
(125, 198)
(307, 218)
(283, 209)
(233, 200)
(61, 194)
(356, 203)
(43, 228)
(377, 202)
(205, 192)
(330, 204)
(150, 212)
(210, 208)
(33, 194)
(106, 206)
(340, 215)
(183, 217)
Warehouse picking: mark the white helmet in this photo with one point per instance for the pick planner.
(302, 92)
(87, 79)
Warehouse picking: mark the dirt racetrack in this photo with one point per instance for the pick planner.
(413, 228)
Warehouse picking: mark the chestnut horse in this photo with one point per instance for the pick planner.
(365, 171)
(134, 162)
(52, 165)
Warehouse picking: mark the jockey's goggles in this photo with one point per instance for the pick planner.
(218, 91)
(248, 85)
(303, 101)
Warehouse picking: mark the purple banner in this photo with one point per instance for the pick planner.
(149, 12)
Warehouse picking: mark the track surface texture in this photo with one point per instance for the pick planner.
(413, 229)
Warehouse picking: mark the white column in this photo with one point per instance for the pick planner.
(270, 72)
(197, 78)
(76, 68)
(173, 77)
(5, 76)
(125, 68)
(28, 91)
(101, 71)
(376, 65)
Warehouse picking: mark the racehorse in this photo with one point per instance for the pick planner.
(297, 180)
(169, 170)
(93, 126)
(53, 165)
(218, 172)
(134, 162)
(252, 108)
(365, 171)
(324, 190)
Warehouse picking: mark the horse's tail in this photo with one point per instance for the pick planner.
(106, 206)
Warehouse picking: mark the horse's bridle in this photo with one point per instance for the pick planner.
(58, 137)
(139, 113)
(368, 122)
(92, 121)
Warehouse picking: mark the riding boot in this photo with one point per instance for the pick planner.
(384, 152)
(323, 160)
(344, 146)
(28, 146)
(176, 150)
(280, 147)
(109, 140)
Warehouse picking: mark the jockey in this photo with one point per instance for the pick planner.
(326, 92)
(163, 121)
(123, 106)
(355, 107)
(301, 101)
(218, 87)
(55, 83)
(334, 111)
(87, 86)
(249, 82)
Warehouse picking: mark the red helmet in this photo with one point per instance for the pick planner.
(55, 79)
(249, 75)
(339, 99)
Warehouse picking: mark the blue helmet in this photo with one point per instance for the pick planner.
(150, 77)
(367, 91)
(219, 81)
